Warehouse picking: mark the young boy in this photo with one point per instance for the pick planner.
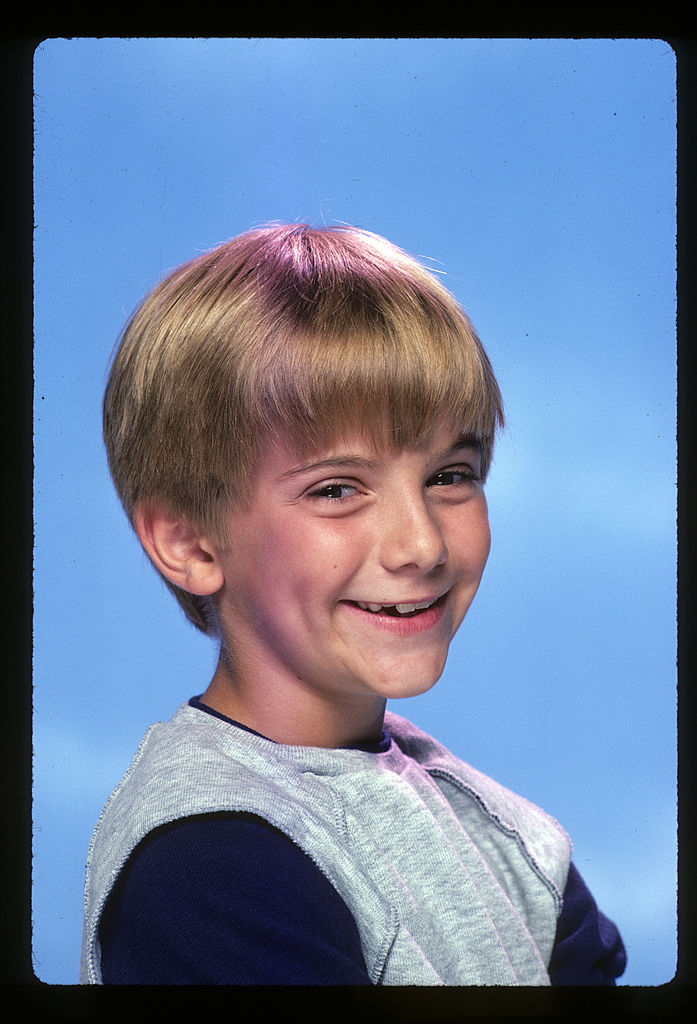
(299, 425)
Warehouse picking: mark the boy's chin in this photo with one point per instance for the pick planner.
(402, 685)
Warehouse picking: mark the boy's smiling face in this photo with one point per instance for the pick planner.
(347, 574)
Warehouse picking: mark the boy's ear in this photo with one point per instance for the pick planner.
(179, 550)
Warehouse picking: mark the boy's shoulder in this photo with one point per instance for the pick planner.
(207, 751)
(197, 763)
(537, 833)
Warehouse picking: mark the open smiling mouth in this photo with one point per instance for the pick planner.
(398, 611)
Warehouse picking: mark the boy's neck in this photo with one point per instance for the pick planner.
(308, 722)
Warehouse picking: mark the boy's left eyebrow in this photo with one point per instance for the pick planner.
(465, 441)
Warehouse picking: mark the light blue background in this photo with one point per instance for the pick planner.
(539, 177)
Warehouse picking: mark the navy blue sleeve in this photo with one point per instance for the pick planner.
(226, 900)
(588, 949)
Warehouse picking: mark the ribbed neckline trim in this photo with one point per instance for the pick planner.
(381, 747)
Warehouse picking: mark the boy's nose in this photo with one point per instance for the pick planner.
(411, 537)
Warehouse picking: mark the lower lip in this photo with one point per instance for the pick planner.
(408, 625)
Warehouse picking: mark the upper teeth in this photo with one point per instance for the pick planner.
(401, 608)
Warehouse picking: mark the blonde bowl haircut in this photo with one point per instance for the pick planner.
(285, 331)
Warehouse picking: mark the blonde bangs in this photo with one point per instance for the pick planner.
(395, 388)
(391, 360)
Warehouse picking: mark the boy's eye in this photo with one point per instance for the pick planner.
(333, 491)
(450, 477)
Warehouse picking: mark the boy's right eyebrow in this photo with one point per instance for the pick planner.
(336, 461)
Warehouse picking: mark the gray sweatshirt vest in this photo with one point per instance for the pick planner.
(451, 878)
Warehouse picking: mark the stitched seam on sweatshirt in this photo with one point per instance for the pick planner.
(508, 830)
